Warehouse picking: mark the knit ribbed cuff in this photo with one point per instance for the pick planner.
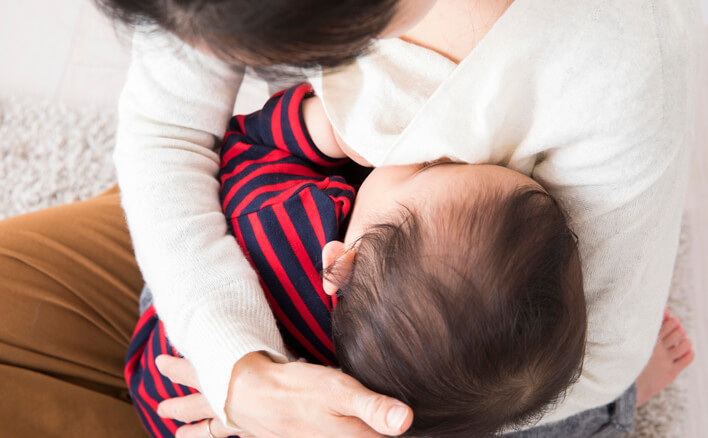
(224, 330)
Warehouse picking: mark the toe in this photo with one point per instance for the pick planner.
(681, 349)
(674, 337)
(686, 360)
(669, 326)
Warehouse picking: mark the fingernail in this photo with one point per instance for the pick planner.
(396, 416)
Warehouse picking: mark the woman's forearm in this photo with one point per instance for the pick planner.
(173, 113)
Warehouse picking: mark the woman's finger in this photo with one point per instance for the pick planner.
(186, 409)
(384, 414)
(352, 427)
(200, 430)
(178, 370)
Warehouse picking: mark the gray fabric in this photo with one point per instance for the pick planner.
(611, 421)
(145, 299)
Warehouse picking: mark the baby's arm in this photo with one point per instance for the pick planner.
(323, 134)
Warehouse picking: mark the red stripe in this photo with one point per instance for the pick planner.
(130, 365)
(286, 194)
(342, 205)
(301, 253)
(234, 151)
(278, 311)
(152, 403)
(238, 147)
(292, 329)
(289, 186)
(322, 184)
(276, 168)
(313, 215)
(240, 131)
(337, 183)
(279, 271)
(144, 318)
(165, 350)
(296, 125)
(151, 372)
(273, 157)
(157, 377)
(275, 128)
(241, 118)
(148, 418)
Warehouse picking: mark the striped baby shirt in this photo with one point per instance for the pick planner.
(283, 200)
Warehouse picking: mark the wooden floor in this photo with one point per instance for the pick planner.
(65, 51)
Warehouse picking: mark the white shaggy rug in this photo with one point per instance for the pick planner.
(51, 154)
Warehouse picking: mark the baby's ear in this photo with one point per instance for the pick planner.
(333, 254)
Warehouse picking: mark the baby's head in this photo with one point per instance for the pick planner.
(460, 293)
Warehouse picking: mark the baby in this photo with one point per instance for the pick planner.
(456, 288)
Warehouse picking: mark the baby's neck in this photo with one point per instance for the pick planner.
(453, 28)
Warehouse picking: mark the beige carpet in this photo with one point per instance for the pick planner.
(51, 154)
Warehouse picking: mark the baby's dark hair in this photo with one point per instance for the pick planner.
(305, 33)
(472, 314)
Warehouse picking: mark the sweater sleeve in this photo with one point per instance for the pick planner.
(172, 112)
(599, 107)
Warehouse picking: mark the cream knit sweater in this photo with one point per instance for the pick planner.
(594, 99)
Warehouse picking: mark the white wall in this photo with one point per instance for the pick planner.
(62, 51)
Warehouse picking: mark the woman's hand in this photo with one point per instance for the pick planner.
(268, 400)
(192, 407)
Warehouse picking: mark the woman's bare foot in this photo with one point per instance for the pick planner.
(672, 354)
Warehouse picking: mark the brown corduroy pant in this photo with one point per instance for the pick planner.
(69, 287)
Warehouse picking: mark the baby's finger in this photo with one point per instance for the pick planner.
(186, 409)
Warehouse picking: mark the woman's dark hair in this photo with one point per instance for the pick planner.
(304, 33)
(473, 315)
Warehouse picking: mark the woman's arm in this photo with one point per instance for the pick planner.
(173, 113)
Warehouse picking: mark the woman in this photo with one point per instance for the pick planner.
(176, 104)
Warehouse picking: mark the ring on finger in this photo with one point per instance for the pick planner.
(208, 424)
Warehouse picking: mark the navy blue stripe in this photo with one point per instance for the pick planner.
(248, 153)
(259, 123)
(288, 136)
(261, 182)
(298, 278)
(138, 403)
(306, 235)
(303, 226)
(274, 233)
(313, 147)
